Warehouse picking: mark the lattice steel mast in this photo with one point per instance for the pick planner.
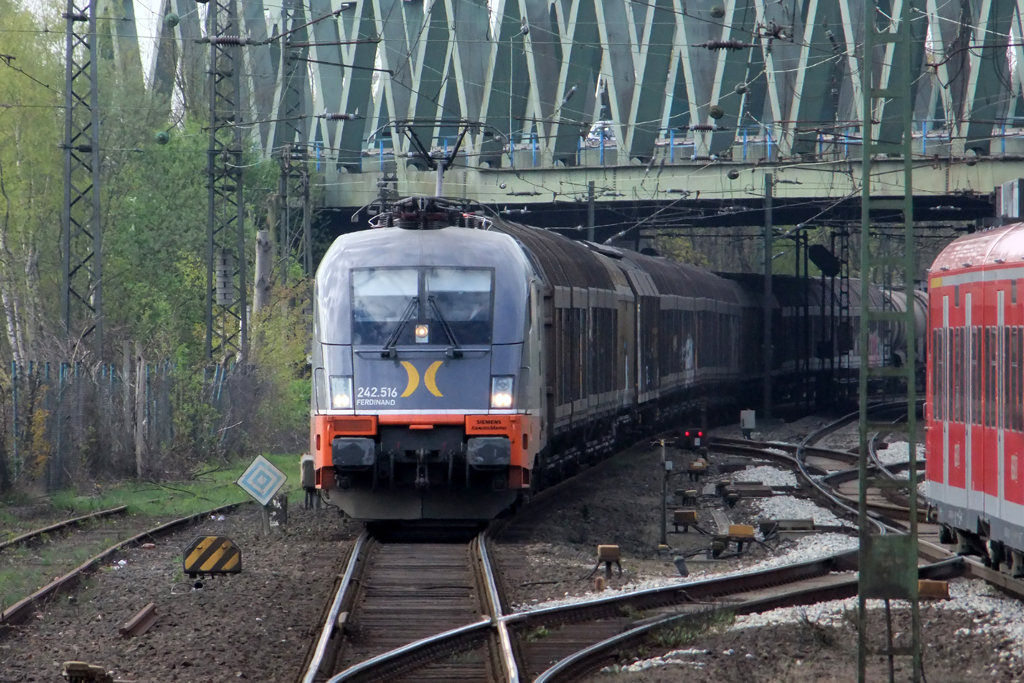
(888, 563)
(226, 315)
(293, 145)
(81, 234)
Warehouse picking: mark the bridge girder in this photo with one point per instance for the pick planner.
(786, 89)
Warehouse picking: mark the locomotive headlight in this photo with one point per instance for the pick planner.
(422, 334)
(341, 392)
(501, 392)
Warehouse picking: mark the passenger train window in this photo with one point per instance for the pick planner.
(955, 377)
(1018, 395)
(1004, 412)
(991, 378)
(937, 370)
(975, 377)
(961, 377)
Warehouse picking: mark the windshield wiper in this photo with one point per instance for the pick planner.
(389, 347)
(455, 351)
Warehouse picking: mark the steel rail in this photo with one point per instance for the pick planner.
(508, 659)
(414, 654)
(582, 661)
(25, 538)
(19, 612)
(330, 624)
(418, 653)
(682, 593)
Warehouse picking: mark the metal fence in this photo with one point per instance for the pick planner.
(63, 420)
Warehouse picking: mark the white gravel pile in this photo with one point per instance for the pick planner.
(897, 452)
(806, 549)
(788, 507)
(677, 657)
(809, 548)
(769, 476)
(993, 614)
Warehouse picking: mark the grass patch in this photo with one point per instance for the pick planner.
(25, 570)
(211, 487)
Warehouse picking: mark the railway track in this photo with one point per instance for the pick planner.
(553, 643)
(432, 607)
(57, 527)
(416, 638)
(883, 511)
(22, 610)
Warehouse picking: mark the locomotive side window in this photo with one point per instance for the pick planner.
(380, 297)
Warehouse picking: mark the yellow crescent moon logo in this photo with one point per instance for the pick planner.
(429, 378)
(414, 378)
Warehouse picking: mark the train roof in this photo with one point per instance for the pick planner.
(979, 250)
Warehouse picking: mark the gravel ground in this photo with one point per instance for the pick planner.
(968, 639)
(256, 625)
(803, 650)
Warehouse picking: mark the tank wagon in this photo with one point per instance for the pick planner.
(975, 395)
(461, 362)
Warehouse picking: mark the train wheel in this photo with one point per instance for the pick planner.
(946, 534)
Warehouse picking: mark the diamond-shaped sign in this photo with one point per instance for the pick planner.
(262, 480)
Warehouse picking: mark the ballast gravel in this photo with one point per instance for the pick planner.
(898, 452)
(808, 548)
(992, 613)
(769, 476)
(789, 507)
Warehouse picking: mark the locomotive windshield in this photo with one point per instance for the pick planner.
(419, 300)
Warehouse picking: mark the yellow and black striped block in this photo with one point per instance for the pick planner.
(212, 555)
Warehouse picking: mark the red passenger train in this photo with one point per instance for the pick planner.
(975, 405)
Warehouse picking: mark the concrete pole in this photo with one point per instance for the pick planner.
(769, 187)
(140, 412)
(590, 211)
(264, 265)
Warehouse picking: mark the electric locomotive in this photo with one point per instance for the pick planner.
(461, 362)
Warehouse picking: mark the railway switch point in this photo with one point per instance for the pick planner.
(748, 422)
(742, 534)
(81, 672)
(684, 518)
(609, 554)
(307, 479)
(932, 590)
(697, 468)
